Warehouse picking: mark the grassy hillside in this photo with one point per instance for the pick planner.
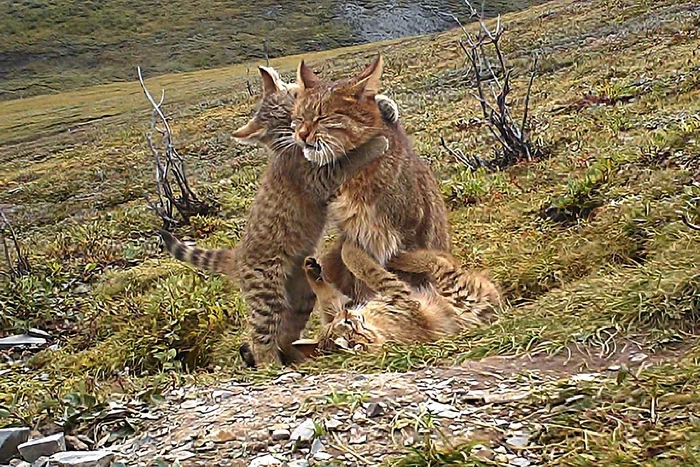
(48, 46)
(620, 267)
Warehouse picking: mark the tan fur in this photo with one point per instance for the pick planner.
(285, 224)
(455, 300)
(394, 202)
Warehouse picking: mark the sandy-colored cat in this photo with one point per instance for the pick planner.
(454, 300)
(393, 203)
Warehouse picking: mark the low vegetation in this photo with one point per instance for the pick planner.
(589, 244)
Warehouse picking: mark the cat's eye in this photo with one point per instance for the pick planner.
(320, 118)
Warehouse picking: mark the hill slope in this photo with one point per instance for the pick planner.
(48, 46)
(617, 106)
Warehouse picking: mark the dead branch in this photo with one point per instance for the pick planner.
(492, 78)
(20, 266)
(473, 163)
(170, 166)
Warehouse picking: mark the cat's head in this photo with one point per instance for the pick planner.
(331, 119)
(349, 331)
(271, 124)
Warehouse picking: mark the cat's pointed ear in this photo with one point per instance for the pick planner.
(306, 78)
(271, 80)
(249, 133)
(307, 347)
(368, 82)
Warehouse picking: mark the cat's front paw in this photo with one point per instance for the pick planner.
(313, 269)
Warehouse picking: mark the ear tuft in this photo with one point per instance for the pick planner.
(307, 347)
(306, 78)
(366, 84)
(271, 80)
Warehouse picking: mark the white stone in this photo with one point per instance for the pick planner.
(36, 448)
(264, 461)
(304, 432)
(82, 459)
(10, 438)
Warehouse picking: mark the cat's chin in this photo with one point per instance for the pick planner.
(317, 157)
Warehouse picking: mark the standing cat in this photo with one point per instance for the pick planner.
(454, 301)
(393, 203)
(286, 221)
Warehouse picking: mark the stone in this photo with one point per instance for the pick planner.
(10, 438)
(374, 410)
(19, 463)
(36, 448)
(322, 456)
(519, 440)
(82, 459)
(22, 340)
(264, 461)
(304, 432)
(334, 424)
(483, 453)
(442, 410)
(298, 463)
(317, 447)
(281, 435)
(519, 462)
(42, 462)
(358, 439)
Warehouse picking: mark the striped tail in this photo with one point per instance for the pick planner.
(221, 261)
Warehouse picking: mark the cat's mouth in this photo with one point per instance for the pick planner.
(319, 154)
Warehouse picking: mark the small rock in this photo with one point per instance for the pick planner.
(317, 447)
(281, 435)
(36, 448)
(483, 453)
(266, 460)
(222, 395)
(519, 462)
(298, 463)
(304, 432)
(359, 439)
(82, 459)
(75, 444)
(333, 424)
(638, 357)
(42, 462)
(322, 456)
(442, 410)
(22, 340)
(520, 440)
(374, 410)
(587, 377)
(19, 463)
(10, 438)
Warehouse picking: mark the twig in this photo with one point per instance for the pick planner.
(22, 266)
(169, 166)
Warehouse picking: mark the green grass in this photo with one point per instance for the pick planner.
(616, 265)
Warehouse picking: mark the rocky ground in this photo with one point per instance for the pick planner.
(358, 419)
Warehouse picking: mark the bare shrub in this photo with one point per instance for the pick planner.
(170, 171)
